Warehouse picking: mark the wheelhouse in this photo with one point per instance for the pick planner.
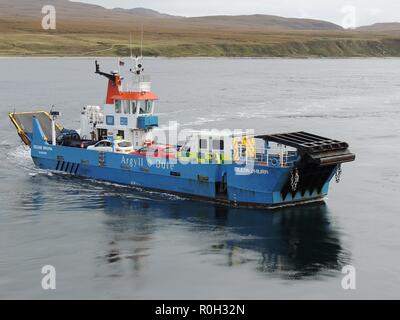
(127, 114)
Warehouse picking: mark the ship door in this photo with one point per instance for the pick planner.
(221, 187)
(121, 134)
(102, 134)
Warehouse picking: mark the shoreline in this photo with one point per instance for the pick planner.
(50, 57)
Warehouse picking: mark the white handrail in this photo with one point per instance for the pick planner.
(276, 157)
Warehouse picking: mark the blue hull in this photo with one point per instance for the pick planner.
(261, 188)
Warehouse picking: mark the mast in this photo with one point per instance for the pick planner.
(141, 43)
(130, 44)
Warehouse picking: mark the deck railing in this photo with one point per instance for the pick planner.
(282, 159)
(272, 157)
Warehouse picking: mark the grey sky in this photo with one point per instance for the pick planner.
(367, 11)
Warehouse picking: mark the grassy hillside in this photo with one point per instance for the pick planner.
(87, 30)
(190, 45)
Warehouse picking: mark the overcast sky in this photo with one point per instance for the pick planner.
(337, 11)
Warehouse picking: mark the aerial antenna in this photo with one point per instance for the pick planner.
(130, 44)
(137, 66)
(141, 43)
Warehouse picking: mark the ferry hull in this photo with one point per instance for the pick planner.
(259, 188)
(186, 187)
(239, 185)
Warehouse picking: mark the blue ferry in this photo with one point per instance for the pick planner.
(116, 143)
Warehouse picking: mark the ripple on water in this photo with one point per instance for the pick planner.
(19, 156)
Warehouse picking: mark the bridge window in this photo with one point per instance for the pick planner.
(118, 106)
(134, 106)
(146, 107)
(149, 106)
(127, 107)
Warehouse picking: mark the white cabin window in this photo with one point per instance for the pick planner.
(218, 144)
(127, 107)
(118, 106)
(203, 144)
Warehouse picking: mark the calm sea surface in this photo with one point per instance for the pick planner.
(107, 241)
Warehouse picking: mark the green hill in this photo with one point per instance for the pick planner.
(90, 30)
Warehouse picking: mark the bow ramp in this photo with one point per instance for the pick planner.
(23, 123)
(314, 149)
(320, 158)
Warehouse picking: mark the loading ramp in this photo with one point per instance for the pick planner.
(23, 123)
(313, 148)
